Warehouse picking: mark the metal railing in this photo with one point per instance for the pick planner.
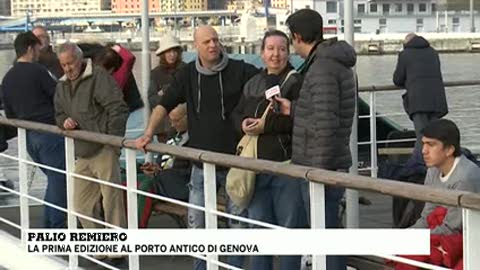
(373, 115)
(470, 202)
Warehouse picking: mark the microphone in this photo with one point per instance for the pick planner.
(273, 89)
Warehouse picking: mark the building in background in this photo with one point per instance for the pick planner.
(53, 7)
(282, 4)
(133, 6)
(217, 4)
(393, 16)
(196, 5)
(5, 8)
(106, 5)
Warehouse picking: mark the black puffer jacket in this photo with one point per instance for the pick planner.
(276, 142)
(324, 112)
(418, 70)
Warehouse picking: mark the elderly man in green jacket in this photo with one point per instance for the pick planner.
(88, 98)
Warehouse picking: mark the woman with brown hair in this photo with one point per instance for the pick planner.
(170, 61)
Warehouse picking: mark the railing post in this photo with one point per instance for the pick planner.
(317, 219)
(373, 136)
(72, 220)
(471, 239)
(23, 184)
(132, 206)
(351, 195)
(210, 191)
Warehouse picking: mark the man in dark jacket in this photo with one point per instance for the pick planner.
(323, 114)
(47, 57)
(211, 86)
(418, 70)
(27, 94)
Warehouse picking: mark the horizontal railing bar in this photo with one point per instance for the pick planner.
(98, 181)
(106, 265)
(8, 222)
(387, 187)
(60, 208)
(201, 208)
(391, 87)
(413, 262)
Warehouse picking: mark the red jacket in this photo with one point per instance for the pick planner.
(445, 250)
(122, 75)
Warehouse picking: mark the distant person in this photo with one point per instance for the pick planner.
(211, 86)
(48, 58)
(277, 199)
(88, 98)
(27, 93)
(170, 62)
(418, 70)
(323, 114)
(448, 169)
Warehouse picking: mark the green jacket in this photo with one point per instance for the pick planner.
(96, 103)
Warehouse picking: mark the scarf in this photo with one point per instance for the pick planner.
(217, 69)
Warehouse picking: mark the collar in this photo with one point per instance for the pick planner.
(308, 61)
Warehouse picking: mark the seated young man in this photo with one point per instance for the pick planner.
(447, 169)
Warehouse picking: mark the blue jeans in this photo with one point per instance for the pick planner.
(277, 200)
(49, 149)
(196, 218)
(333, 195)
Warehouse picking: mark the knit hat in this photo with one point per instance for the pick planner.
(166, 43)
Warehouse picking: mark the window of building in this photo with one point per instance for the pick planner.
(434, 7)
(373, 7)
(331, 7)
(410, 8)
(398, 7)
(361, 8)
(386, 8)
(419, 21)
(422, 7)
(382, 21)
(332, 22)
(357, 21)
(456, 20)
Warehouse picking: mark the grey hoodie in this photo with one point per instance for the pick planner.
(323, 114)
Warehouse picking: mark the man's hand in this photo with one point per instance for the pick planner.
(285, 105)
(141, 142)
(69, 124)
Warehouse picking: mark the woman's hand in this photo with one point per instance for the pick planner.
(253, 126)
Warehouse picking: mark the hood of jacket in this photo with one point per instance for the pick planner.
(417, 42)
(339, 51)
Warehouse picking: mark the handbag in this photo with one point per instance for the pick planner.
(240, 183)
